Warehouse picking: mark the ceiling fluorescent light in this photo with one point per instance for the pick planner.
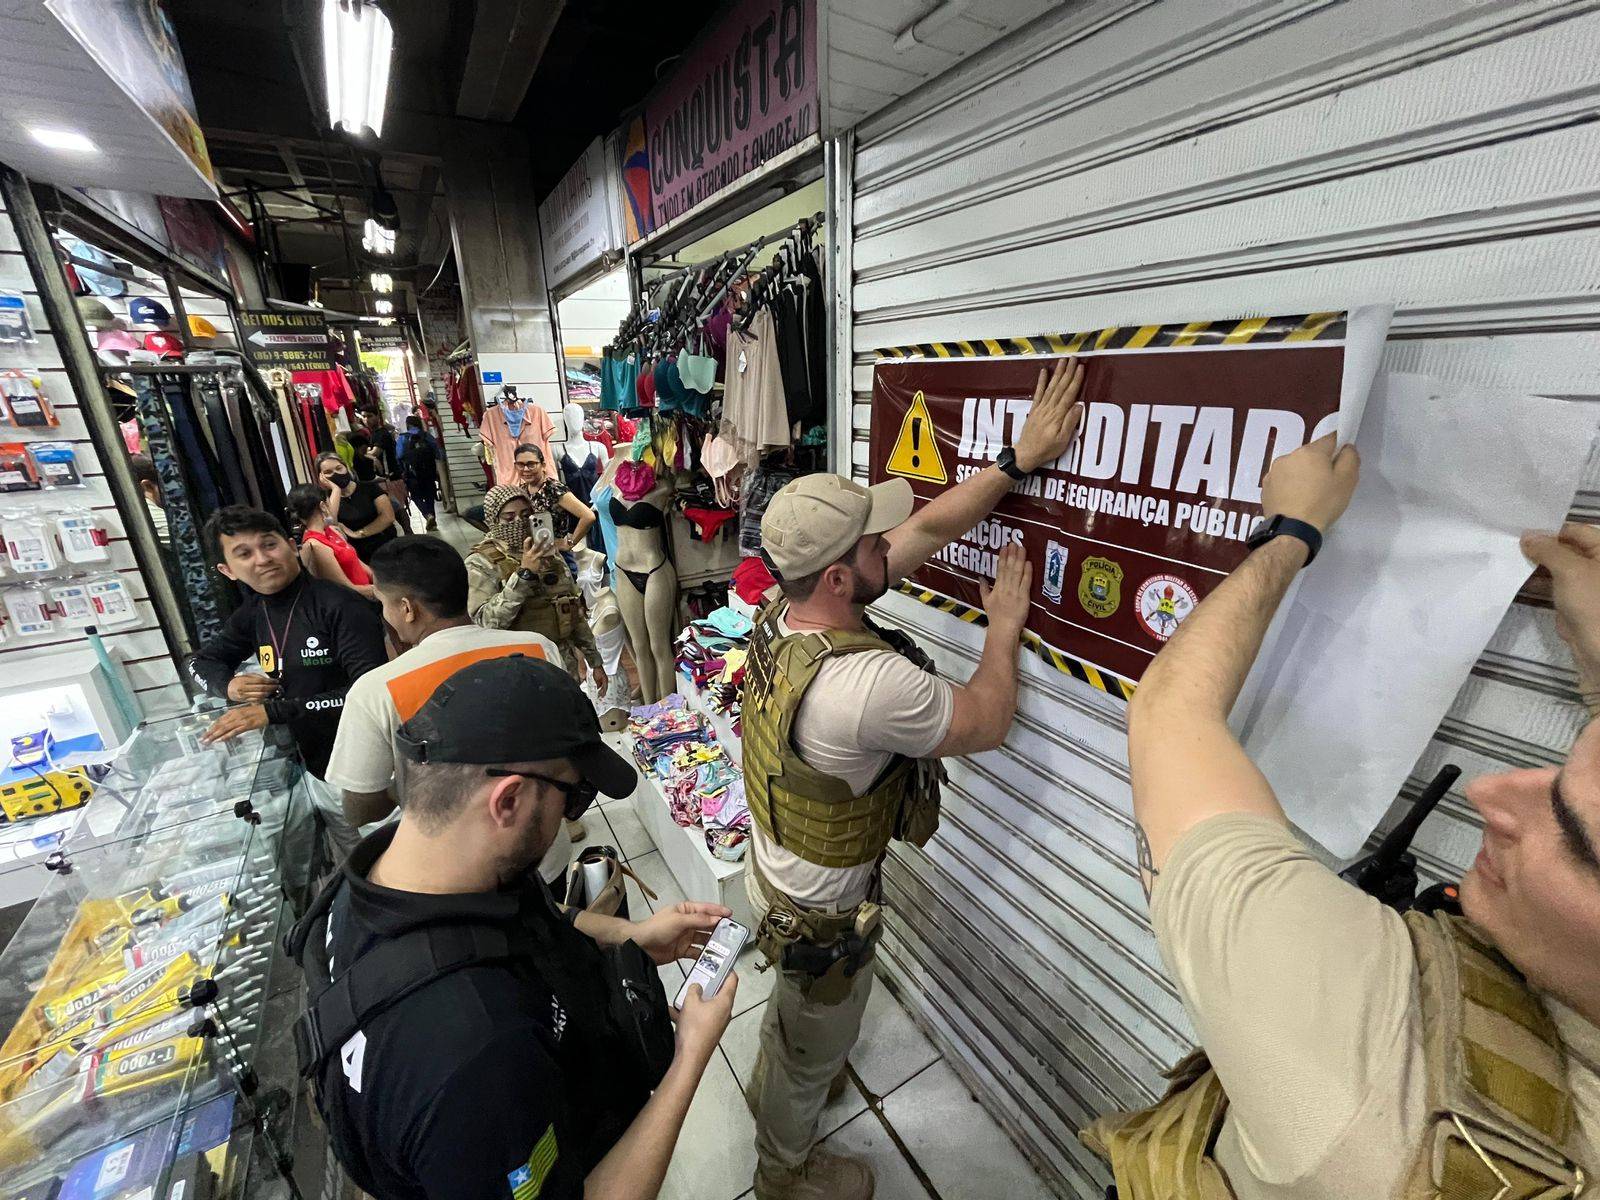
(380, 282)
(357, 46)
(375, 239)
(63, 139)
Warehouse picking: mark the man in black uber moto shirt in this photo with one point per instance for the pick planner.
(312, 638)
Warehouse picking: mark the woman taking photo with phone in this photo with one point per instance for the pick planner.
(518, 581)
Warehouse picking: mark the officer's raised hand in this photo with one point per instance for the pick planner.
(678, 932)
(1054, 417)
(1572, 556)
(1006, 602)
(1313, 484)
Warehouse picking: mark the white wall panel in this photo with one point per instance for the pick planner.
(1120, 163)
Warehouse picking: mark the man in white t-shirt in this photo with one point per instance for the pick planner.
(422, 584)
(844, 724)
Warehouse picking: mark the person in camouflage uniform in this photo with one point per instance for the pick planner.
(518, 584)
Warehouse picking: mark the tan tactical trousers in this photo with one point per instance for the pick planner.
(803, 1046)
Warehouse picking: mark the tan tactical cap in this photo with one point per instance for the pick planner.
(816, 519)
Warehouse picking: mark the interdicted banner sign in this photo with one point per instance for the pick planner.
(1149, 508)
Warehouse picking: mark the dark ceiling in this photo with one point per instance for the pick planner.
(602, 61)
(560, 73)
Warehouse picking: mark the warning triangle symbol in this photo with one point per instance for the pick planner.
(916, 450)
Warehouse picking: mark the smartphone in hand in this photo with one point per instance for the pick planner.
(716, 960)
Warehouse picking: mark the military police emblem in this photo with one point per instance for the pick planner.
(1100, 587)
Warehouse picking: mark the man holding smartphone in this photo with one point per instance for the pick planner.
(468, 1039)
(844, 724)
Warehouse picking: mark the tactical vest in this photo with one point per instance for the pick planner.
(1500, 1112)
(554, 607)
(815, 816)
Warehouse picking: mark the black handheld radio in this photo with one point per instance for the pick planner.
(1390, 872)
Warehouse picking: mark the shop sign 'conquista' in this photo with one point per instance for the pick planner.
(743, 95)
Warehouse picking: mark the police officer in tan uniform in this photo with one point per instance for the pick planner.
(1350, 1051)
(844, 724)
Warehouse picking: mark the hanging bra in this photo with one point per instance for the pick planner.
(638, 516)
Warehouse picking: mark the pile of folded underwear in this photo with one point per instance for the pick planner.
(704, 787)
(711, 653)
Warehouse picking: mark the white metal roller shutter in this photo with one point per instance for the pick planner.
(1123, 163)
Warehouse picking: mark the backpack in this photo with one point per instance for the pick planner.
(417, 454)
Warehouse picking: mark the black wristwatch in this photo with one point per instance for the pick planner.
(526, 575)
(1280, 526)
(1007, 462)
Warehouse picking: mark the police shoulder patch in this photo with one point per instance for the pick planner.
(527, 1181)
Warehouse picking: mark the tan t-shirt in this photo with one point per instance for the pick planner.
(383, 698)
(860, 711)
(1303, 991)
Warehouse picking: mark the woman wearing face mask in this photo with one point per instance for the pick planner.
(323, 549)
(360, 507)
(517, 582)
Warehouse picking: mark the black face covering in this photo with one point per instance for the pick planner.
(341, 480)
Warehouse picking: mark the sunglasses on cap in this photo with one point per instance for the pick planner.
(580, 795)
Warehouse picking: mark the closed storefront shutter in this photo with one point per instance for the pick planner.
(1129, 163)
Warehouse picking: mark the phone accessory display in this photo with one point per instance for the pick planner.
(17, 470)
(25, 406)
(14, 323)
(82, 539)
(72, 604)
(113, 601)
(29, 546)
(56, 464)
(29, 611)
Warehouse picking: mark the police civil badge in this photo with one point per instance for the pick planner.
(1055, 570)
(1100, 587)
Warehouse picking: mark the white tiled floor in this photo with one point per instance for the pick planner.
(452, 529)
(898, 1112)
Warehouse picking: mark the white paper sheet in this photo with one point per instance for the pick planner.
(1365, 330)
(1368, 652)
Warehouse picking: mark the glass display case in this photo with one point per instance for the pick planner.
(145, 1002)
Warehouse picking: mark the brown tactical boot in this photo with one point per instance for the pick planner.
(824, 1176)
(835, 1088)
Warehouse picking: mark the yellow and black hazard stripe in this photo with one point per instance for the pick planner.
(1253, 331)
(1100, 680)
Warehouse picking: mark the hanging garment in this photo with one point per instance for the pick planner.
(231, 465)
(753, 404)
(788, 317)
(764, 483)
(336, 390)
(194, 582)
(533, 429)
(816, 333)
(195, 454)
(580, 477)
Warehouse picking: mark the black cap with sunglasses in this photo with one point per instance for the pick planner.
(517, 709)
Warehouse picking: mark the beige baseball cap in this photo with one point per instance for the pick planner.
(815, 520)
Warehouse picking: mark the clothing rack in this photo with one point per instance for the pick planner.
(660, 319)
(781, 268)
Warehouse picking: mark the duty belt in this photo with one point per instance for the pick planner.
(826, 946)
